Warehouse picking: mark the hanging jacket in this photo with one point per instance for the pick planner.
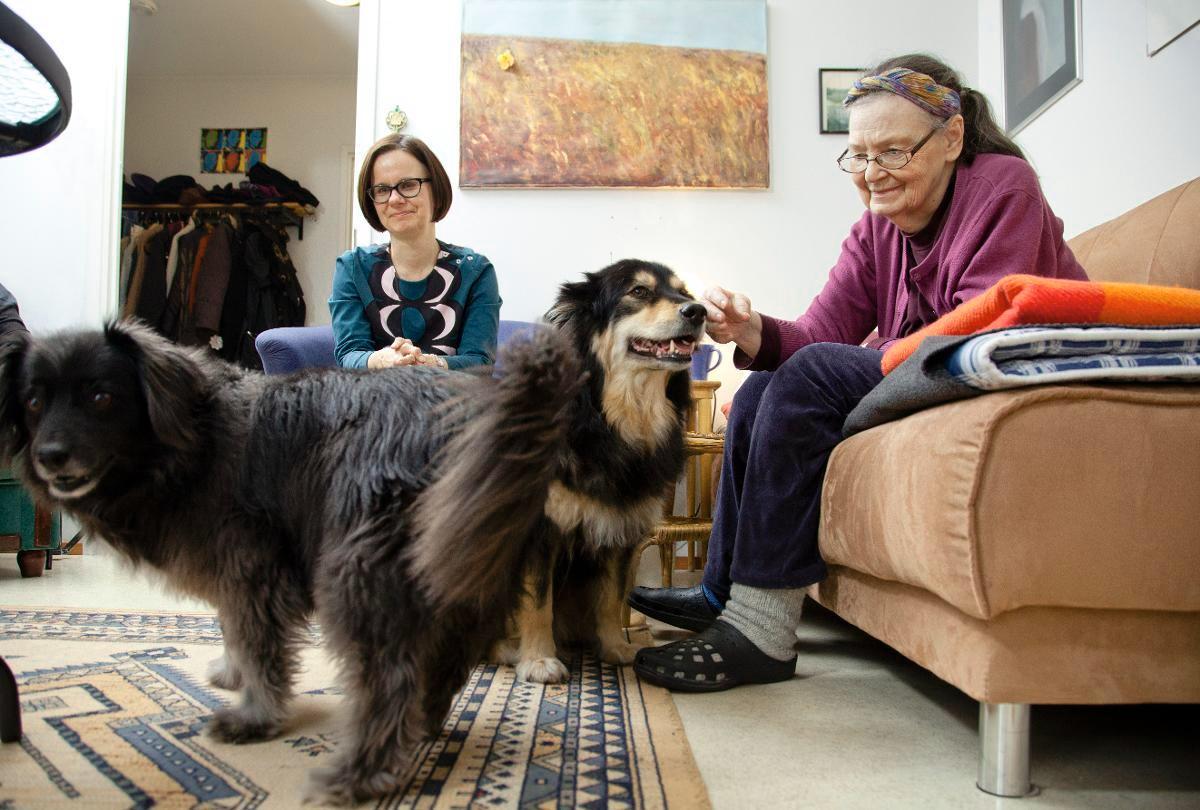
(273, 294)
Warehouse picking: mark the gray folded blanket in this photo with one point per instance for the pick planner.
(919, 382)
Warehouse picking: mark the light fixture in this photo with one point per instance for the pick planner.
(343, 3)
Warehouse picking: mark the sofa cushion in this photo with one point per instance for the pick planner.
(1156, 243)
(1058, 496)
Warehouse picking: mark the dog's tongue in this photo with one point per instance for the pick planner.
(665, 347)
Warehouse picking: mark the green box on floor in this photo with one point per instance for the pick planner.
(37, 529)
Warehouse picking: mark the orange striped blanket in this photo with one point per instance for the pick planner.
(1021, 300)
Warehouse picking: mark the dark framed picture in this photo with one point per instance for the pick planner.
(1041, 57)
(832, 84)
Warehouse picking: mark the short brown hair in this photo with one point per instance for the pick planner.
(439, 182)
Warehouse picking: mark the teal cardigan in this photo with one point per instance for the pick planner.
(454, 312)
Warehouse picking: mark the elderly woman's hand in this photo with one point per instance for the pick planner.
(731, 318)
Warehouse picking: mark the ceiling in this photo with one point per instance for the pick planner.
(243, 38)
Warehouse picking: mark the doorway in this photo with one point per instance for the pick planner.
(214, 87)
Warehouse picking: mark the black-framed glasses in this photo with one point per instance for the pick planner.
(407, 188)
(891, 159)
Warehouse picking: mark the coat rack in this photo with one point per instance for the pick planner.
(295, 212)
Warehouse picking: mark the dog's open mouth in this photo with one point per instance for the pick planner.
(71, 486)
(677, 349)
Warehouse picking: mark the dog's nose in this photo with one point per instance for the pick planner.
(693, 312)
(52, 456)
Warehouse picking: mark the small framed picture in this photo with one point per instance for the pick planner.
(1041, 57)
(833, 84)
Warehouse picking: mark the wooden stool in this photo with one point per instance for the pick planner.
(701, 445)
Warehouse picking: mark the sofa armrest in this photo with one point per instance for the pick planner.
(1055, 496)
(291, 348)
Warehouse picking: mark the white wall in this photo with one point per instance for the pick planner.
(310, 125)
(58, 206)
(1129, 131)
(775, 245)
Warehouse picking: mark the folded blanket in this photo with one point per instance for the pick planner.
(925, 379)
(1020, 299)
(1039, 355)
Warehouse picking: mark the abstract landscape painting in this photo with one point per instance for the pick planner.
(624, 93)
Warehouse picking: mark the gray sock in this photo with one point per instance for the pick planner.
(767, 616)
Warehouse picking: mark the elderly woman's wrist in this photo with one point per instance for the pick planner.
(750, 340)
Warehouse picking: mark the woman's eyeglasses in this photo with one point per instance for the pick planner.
(891, 159)
(407, 188)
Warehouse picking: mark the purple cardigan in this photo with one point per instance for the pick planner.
(998, 223)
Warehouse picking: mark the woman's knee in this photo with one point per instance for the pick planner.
(747, 398)
(823, 374)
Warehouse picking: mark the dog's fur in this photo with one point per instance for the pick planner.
(413, 511)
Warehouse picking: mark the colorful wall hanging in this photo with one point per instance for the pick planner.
(232, 151)
(641, 93)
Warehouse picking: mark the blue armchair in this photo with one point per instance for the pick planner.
(291, 348)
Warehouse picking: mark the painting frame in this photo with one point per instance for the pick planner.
(637, 94)
(831, 115)
(1042, 56)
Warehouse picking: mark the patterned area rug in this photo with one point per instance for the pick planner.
(114, 706)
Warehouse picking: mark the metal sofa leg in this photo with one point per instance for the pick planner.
(1004, 749)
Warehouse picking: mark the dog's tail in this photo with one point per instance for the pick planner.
(472, 524)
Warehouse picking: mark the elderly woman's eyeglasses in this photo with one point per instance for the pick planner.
(407, 188)
(891, 159)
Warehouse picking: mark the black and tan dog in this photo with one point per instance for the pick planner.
(414, 512)
(634, 326)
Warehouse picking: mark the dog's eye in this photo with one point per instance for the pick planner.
(640, 292)
(101, 400)
(33, 405)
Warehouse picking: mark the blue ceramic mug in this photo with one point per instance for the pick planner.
(702, 360)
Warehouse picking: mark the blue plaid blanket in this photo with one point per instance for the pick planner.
(1039, 355)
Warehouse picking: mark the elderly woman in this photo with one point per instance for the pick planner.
(952, 206)
(414, 300)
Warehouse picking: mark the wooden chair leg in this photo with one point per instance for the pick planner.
(666, 558)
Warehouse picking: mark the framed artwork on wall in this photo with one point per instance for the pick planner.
(603, 94)
(1041, 57)
(230, 151)
(832, 86)
(1167, 21)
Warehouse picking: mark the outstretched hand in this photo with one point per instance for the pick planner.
(731, 318)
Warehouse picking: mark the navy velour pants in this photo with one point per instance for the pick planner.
(782, 427)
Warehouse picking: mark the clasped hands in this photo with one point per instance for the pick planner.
(403, 352)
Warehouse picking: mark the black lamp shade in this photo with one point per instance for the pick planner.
(35, 91)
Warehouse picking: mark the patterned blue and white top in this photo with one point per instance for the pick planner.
(454, 312)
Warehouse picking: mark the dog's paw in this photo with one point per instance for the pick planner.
(237, 725)
(505, 653)
(332, 786)
(327, 786)
(542, 670)
(223, 675)
(620, 653)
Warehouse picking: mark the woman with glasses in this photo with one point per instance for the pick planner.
(951, 207)
(415, 300)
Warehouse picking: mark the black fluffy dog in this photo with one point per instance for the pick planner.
(413, 511)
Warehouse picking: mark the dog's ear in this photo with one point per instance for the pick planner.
(574, 300)
(13, 437)
(172, 382)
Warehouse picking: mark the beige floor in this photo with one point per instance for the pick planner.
(858, 727)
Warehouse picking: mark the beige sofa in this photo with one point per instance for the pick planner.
(1039, 545)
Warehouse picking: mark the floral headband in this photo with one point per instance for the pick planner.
(918, 88)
